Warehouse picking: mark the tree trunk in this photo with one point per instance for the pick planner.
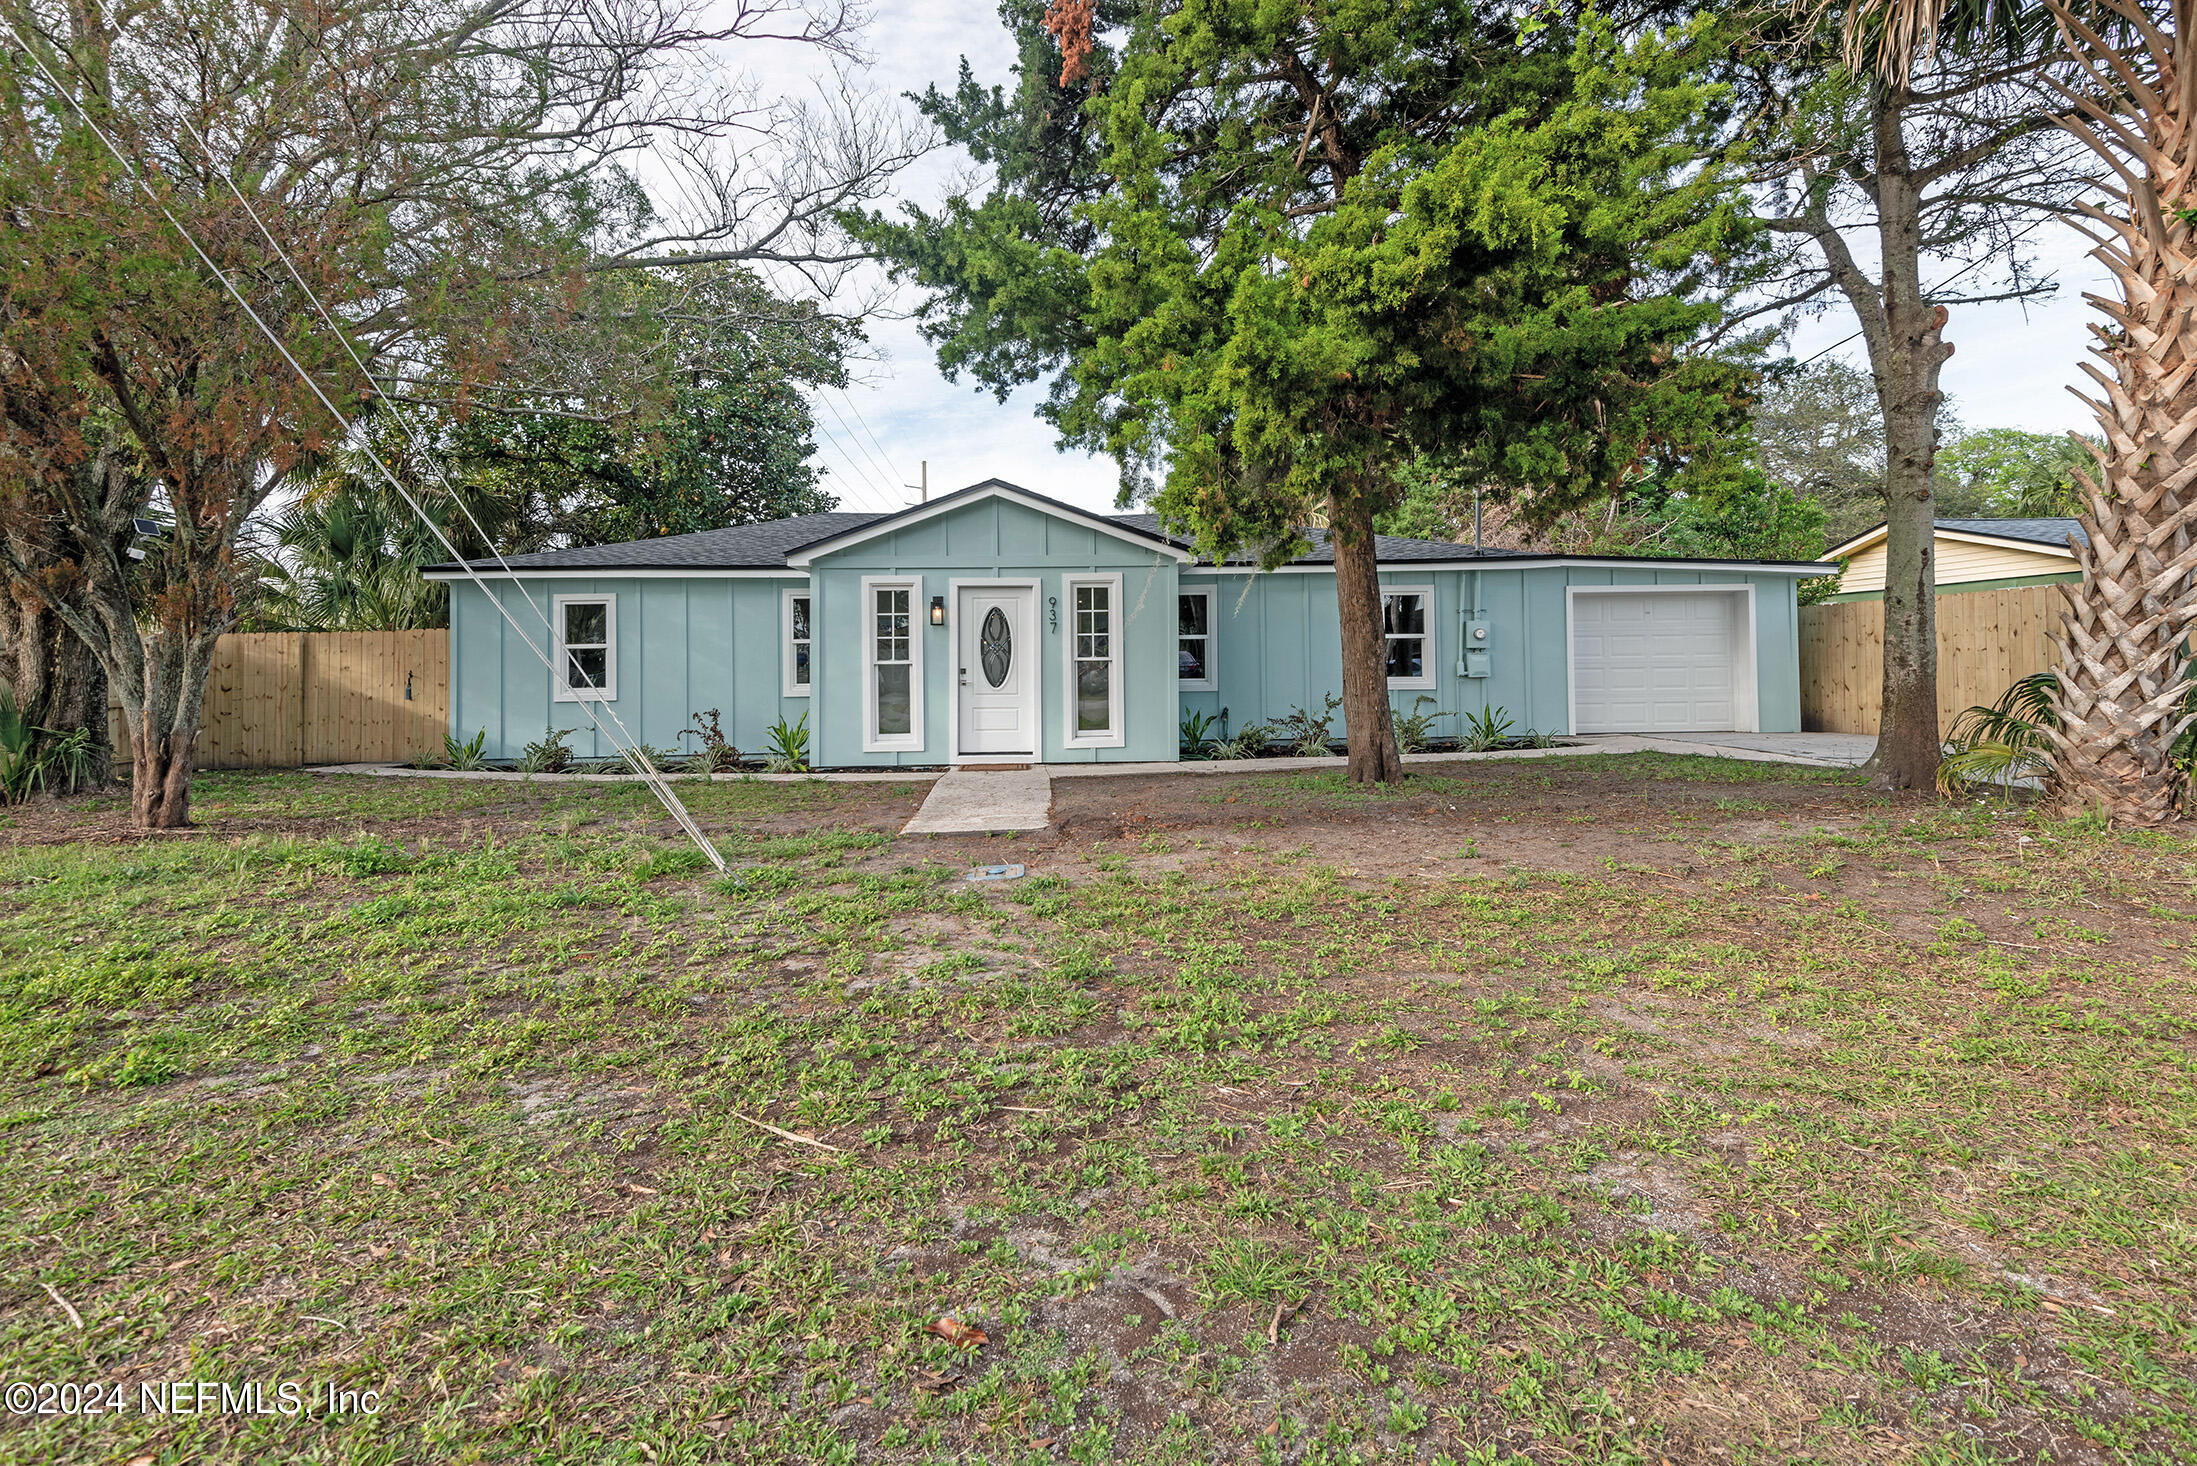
(2124, 676)
(1906, 355)
(160, 781)
(57, 681)
(1908, 748)
(163, 724)
(1367, 720)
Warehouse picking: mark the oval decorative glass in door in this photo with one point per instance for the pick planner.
(995, 646)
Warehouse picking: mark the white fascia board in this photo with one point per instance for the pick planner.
(2006, 542)
(1876, 536)
(800, 558)
(1855, 545)
(1405, 567)
(522, 573)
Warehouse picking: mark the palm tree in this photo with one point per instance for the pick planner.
(347, 555)
(2124, 684)
(344, 562)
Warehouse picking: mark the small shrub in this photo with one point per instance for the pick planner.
(550, 756)
(71, 761)
(19, 768)
(1197, 735)
(467, 755)
(1486, 729)
(1250, 741)
(788, 751)
(1309, 735)
(2004, 741)
(35, 758)
(718, 756)
(1415, 730)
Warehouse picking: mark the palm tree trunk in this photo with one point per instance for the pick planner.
(2125, 666)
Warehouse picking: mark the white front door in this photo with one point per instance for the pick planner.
(996, 669)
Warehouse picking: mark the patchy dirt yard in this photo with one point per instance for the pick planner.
(1615, 1109)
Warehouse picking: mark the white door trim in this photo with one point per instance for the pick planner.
(1027, 633)
(1117, 693)
(1749, 701)
(918, 625)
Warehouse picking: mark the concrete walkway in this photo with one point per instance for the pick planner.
(985, 801)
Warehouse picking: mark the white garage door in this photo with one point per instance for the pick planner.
(1658, 662)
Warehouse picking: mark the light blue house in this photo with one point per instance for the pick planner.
(996, 625)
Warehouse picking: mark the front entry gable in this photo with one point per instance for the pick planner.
(993, 523)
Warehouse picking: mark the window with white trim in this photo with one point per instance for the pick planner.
(587, 647)
(799, 638)
(1407, 619)
(1094, 674)
(893, 650)
(1194, 640)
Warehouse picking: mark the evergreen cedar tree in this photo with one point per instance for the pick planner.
(1271, 255)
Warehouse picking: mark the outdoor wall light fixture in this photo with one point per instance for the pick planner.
(938, 610)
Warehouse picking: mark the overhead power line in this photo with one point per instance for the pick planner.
(884, 470)
(857, 478)
(891, 482)
(891, 468)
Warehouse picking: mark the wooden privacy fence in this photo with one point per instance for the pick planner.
(278, 699)
(1987, 639)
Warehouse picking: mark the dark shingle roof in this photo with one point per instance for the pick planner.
(1387, 548)
(766, 545)
(762, 546)
(2052, 532)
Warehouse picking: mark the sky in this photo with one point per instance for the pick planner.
(2011, 366)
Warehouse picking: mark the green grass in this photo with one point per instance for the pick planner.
(1868, 1139)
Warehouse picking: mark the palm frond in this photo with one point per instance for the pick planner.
(2004, 741)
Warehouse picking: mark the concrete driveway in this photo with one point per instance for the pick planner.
(1839, 750)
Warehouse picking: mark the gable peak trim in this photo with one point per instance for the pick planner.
(977, 493)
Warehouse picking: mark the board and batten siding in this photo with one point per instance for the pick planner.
(1959, 562)
(1277, 642)
(684, 646)
(998, 539)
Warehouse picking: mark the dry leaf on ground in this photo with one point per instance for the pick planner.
(955, 1332)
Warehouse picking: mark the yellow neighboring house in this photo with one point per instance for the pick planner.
(1972, 554)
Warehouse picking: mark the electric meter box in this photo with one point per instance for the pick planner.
(1477, 636)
